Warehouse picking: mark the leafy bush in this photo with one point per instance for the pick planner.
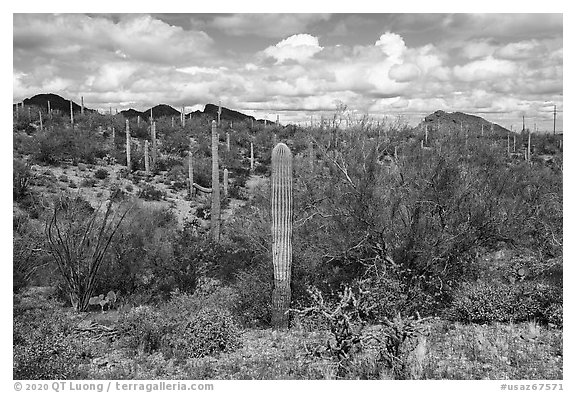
(210, 331)
(254, 288)
(151, 193)
(88, 182)
(101, 174)
(44, 347)
(21, 177)
(484, 302)
(143, 329)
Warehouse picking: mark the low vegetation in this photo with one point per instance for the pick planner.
(441, 261)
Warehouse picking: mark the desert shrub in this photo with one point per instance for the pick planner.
(43, 344)
(207, 332)
(101, 174)
(29, 253)
(554, 315)
(151, 193)
(21, 177)
(254, 289)
(143, 329)
(149, 259)
(484, 302)
(88, 182)
(165, 163)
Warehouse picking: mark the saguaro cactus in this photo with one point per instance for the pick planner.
(225, 181)
(251, 156)
(128, 162)
(219, 111)
(49, 110)
(146, 157)
(215, 209)
(71, 114)
(40, 116)
(311, 155)
(281, 233)
(227, 141)
(82, 105)
(529, 140)
(154, 144)
(190, 173)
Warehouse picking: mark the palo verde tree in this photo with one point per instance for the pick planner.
(78, 238)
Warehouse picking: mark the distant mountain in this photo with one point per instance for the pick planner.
(453, 121)
(158, 111)
(226, 115)
(161, 110)
(56, 103)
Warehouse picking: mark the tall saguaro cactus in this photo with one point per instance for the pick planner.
(146, 157)
(190, 173)
(281, 233)
(154, 144)
(251, 156)
(215, 208)
(225, 182)
(128, 162)
(71, 114)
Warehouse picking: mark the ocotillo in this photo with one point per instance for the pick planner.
(281, 198)
(215, 209)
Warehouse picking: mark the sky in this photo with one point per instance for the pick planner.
(498, 66)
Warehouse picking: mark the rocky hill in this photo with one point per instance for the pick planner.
(453, 122)
(57, 103)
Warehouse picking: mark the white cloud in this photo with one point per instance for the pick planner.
(404, 72)
(299, 47)
(391, 44)
(485, 69)
(519, 50)
(477, 49)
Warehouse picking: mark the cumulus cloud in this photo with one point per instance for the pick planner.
(485, 69)
(140, 60)
(299, 47)
(519, 50)
(138, 37)
(404, 72)
(391, 44)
